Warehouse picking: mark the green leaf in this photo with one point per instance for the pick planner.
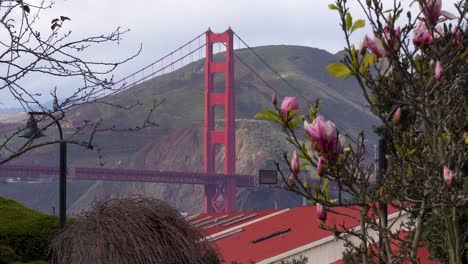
(411, 152)
(292, 113)
(354, 58)
(317, 191)
(326, 189)
(367, 62)
(360, 23)
(464, 54)
(398, 148)
(409, 170)
(332, 7)
(312, 113)
(293, 124)
(304, 154)
(349, 21)
(373, 100)
(418, 66)
(269, 115)
(338, 69)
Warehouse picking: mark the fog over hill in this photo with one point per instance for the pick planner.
(177, 143)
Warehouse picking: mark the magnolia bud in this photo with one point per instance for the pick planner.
(289, 104)
(320, 163)
(274, 99)
(295, 164)
(321, 212)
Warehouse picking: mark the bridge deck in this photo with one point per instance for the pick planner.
(108, 174)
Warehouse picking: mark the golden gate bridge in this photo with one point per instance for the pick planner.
(219, 189)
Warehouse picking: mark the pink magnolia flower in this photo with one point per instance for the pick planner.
(337, 148)
(427, 38)
(374, 45)
(448, 176)
(289, 104)
(423, 39)
(321, 212)
(364, 45)
(438, 70)
(392, 37)
(316, 130)
(432, 10)
(396, 116)
(295, 164)
(320, 164)
(274, 99)
(438, 31)
(458, 36)
(324, 134)
(330, 132)
(420, 28)
(321, 131)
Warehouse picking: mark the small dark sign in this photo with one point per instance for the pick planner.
(267, 177)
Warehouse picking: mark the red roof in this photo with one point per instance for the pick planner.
(299, 226)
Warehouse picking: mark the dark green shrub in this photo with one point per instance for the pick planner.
(26, 231)
(7, 255)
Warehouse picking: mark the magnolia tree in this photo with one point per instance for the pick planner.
(30, 53)
(412, 68)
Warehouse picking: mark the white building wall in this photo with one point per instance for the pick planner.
(328, 249)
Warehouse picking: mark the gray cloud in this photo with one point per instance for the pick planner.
(163, 25)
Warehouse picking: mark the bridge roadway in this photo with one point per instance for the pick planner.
(108, 174)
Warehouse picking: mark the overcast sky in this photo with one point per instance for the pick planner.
(163, 25)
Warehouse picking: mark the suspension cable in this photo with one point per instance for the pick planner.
(348, 134)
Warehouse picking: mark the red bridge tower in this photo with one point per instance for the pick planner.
(220, 198)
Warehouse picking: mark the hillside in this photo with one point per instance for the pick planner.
(176, 144)
(183, 151)
(24, 232)
(302, 67)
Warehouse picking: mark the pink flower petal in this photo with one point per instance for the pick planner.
(448, 176)
(295, 164)
(438, 70)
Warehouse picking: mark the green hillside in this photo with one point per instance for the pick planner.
(183, 91)
(24, 233)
